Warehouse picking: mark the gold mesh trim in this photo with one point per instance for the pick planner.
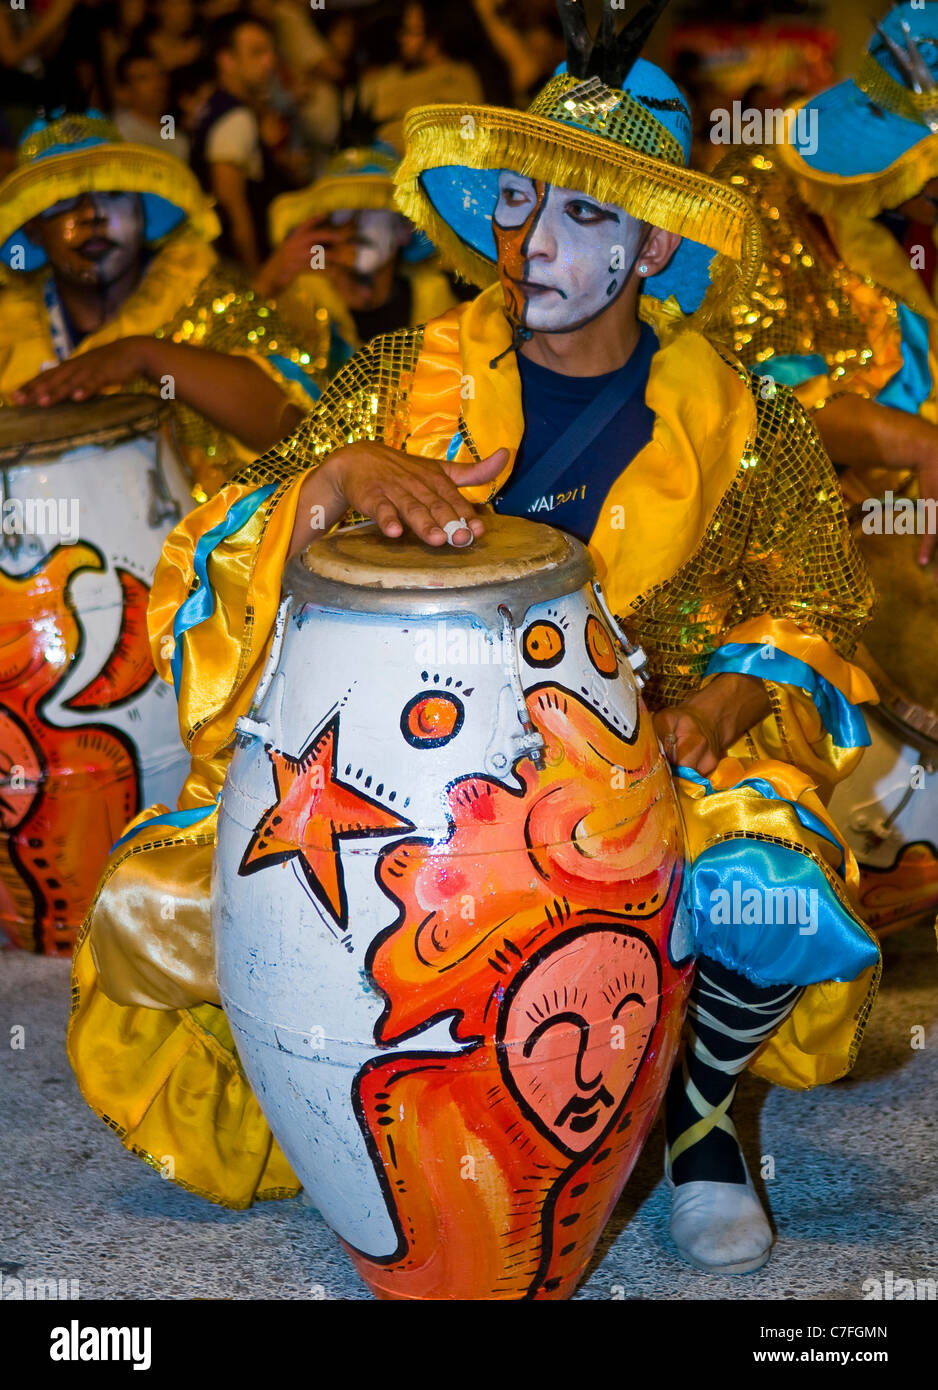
(628, 123)
(893, 96)
(68, 131)
(806, 302)
(367, 399)
(778, 544)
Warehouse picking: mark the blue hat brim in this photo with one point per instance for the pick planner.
(465, 198)
(855, 137)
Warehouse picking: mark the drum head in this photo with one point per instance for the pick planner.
(514, 561)
(31, 434)
(899, 650)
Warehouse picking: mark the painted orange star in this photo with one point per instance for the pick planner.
(312, 813)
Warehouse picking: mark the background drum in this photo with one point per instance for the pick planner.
(888, 808)
(88, 734)
(447, 908)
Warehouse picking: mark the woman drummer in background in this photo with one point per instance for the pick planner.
(715, 523)
(110, 279)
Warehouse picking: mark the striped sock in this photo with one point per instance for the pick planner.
(728, 1020)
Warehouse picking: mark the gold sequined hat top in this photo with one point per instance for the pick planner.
(608, 124)
(83, 152)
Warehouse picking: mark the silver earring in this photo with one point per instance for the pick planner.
(643, 269)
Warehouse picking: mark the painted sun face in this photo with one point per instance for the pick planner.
(562, 257)
(570, 1051)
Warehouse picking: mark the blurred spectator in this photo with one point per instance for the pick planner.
(122, 20)
(230, 155)
(526, 37)
(190, 88)
(431, 66)
(142, 90)
(25, 40)
(170, 33)
(315, 59)
(76, 76)
(344, 249)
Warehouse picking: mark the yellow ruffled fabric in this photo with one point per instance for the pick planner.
(679, 490)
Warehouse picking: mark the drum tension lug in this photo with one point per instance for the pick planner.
(634, 655)
(248, 729)
(531, 742)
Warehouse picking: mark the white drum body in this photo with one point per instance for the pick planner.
(436, 810)
(88, 733)
(887, 810)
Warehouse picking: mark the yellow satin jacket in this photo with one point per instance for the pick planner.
(734, 532)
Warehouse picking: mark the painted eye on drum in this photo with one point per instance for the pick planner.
(543, 644)
(430, 720)
(601, 648)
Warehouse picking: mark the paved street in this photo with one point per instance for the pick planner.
(855, 1192)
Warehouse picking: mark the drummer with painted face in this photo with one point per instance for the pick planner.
(111, 282)
(576, 389)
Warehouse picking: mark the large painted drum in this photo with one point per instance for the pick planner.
(451, 937)
(888, 808)
(88, 734)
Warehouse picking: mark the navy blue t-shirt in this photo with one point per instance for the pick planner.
(551, 402)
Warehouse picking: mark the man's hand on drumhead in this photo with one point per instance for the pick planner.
(85, 375)
(405, 492)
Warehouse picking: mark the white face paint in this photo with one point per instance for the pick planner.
(379, 235)
(562, 257)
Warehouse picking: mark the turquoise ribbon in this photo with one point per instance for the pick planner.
(791, 370)
(910, 387)
(842, 720)
(294, 372)
(201, 603)
(177, 819)
(767, 910)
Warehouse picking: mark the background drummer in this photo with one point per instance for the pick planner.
(709, 508)
(109, 273)
(377, 272)
(844, 310)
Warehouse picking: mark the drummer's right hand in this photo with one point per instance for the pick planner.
(403, 491)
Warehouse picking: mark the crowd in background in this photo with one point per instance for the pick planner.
(254, 95)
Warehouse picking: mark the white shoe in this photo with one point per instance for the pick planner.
(720, 1227)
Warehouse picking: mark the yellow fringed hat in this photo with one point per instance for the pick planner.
(85, 153)
(608, 124)
(874, 137)
(354, 180)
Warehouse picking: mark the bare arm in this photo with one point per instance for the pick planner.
(232, 391)
(859, 432)
(698, 732)
(230, 188)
